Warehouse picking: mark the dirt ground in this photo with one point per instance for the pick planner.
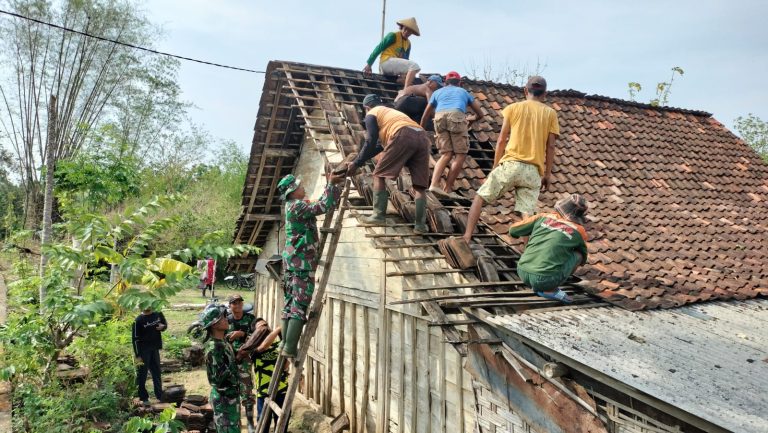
(304, 419)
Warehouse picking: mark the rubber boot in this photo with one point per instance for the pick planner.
(249, 419)
(290, 347)
(378, 217)
(420, 225)
(283, 330)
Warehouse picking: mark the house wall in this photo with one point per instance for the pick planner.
(407, 381)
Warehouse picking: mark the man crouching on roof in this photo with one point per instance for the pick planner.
(300, 255)
(557, 245)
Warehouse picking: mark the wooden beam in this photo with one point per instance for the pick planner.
(261, 217)
(281, 153)
(467, 285)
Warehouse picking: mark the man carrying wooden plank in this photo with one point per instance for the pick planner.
(403, 144)
(301, 255)
(557, 245)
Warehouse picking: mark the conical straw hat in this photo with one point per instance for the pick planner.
(410, 23)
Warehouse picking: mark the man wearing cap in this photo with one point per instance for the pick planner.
(221, 368)
(300, 255)
(449, 106)
(395, 50)
(413, 99)
(525, 152)
(403, 144)
(557, 245)
(241, 326)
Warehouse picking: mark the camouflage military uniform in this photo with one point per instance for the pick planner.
(300, 255)
(247, 324)
(225, 386)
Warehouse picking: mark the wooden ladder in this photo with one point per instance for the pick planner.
(313, 320)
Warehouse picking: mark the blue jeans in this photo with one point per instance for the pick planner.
(279, 398)
(547, 283)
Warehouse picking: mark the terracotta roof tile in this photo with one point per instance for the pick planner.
(677, 202)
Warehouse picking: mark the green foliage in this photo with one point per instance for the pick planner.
(754, 131)
(97, 180)
(174, 345)
(57, 409)
(11, 198)
(663, 89)
(166, 422)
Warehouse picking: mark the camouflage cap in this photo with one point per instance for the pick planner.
(212, 316)
(287, 185)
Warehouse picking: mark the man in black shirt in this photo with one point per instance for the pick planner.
(147, 342)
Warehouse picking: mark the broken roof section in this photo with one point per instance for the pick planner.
(678, 202)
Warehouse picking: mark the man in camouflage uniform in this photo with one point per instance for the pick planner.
(221, 367)
(300, 255)
(241, 326)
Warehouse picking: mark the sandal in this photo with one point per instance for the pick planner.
(557, 295)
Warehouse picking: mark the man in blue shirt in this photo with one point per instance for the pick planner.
(449, 105)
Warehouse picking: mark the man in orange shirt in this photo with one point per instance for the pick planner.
(402, 143)
(524, 154)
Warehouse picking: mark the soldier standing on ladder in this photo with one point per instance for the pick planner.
(300, 256)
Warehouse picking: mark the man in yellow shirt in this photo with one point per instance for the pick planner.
(524, 154)
(403, 143)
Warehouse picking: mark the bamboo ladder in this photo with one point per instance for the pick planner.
(313, 320)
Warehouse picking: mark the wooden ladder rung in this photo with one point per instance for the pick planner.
(275, 407)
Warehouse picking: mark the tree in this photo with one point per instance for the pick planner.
(504, 72)
(754, 131)
(663, 89)
(82, 73)
(10, 197)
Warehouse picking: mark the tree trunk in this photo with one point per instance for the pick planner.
(50, 163)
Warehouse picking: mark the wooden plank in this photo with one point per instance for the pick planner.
(467, 285)
(429, 272)
(341, 357)
(382, 355)
(281, 153)
(401, 374)
(414, 374)
(329, 359)
(261, 217)
(521, 293)
(451, 334)
(366, 368)
(442, 389)
(353, 371)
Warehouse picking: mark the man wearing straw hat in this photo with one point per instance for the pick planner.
(394, 51)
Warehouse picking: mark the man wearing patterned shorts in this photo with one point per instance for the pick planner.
(525, 152)
(300, 255)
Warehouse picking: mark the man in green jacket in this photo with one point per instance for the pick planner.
(241, 326)
(557, 245)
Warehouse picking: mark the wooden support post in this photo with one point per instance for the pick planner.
(554, 369)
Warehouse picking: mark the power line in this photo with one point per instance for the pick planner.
(136, 47)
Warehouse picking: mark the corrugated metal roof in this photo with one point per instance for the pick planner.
(710, 360)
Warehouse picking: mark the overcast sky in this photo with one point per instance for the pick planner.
(592, 46)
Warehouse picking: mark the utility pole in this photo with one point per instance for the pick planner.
(383, 16)
(51, 148)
